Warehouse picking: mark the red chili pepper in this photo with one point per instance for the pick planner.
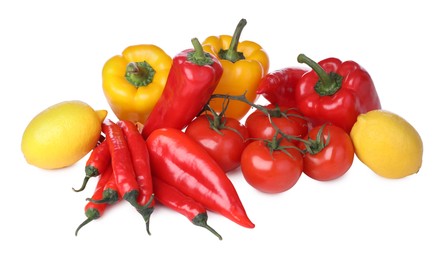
(96, 164)
(174, 199)
(278, 87)
(123, 169)
(110, 194)
(335, 92)
(96, 210)
(192, 79)
(141, 164)
(183, 163)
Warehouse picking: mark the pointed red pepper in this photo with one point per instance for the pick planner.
(193, 78)
(335, 92)
(183, 163)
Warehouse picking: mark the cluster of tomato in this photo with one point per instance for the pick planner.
(274, 146)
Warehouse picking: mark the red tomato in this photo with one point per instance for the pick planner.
(271, 171)
(289, 120)
(224, 144)
(334, 159)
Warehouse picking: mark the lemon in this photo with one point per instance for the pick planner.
(62, 134)
(386, 143)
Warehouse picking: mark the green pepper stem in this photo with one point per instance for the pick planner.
(144, 210)
(83, 186)
(328, 83)
(109, 196)
(91, 215)
(322, 74)
(231, 54)
(199, 56)
(201, 220)
(139, 74)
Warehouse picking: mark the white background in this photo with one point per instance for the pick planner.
(52, 51)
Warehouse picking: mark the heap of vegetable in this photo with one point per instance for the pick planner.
(182, 127)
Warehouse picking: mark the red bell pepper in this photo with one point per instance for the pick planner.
(278, 86)
(192, 79)
(335, 92)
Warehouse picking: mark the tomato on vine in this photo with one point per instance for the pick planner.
(266, 120)
(329, 152)
(224, 138)
(271, 166)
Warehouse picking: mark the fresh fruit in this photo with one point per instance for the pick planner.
(330, 152)
(62, 134)
(388, 144)
(271, 167)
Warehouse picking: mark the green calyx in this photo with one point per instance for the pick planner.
(109, 196)
(314, 146)
(91, 171)
(328, 83)
(199, 56)
(217, 121)
(231, 54)
(139, 74)
(144, 210)
(275, 145)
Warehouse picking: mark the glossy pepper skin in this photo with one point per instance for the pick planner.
(278, 86)
(244, 64)
(193, 77)
(335, 92)
(134, 81)
(184, 164)
(141, 165)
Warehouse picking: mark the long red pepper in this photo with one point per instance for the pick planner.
(142, 169)
(122, 165)
(96, 163)
(183, 163)
(96, 210)
(174, 199)
(193, 77)
(110, 194)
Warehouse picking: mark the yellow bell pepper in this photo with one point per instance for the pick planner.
(244, 64)
(134, 81)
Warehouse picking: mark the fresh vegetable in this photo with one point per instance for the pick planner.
(271, 166)
(329, 153)
(335, 92)
(172, 198)
(264, 122)
(96, 164)
(244, 64)
(62, 134)
(141, 164)
(134, 81)
(278, 87)
(110, 193)
(193, 77)
(223, 137)
(123, 169)
(183, 163)
(96, 210)
(387, 144)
